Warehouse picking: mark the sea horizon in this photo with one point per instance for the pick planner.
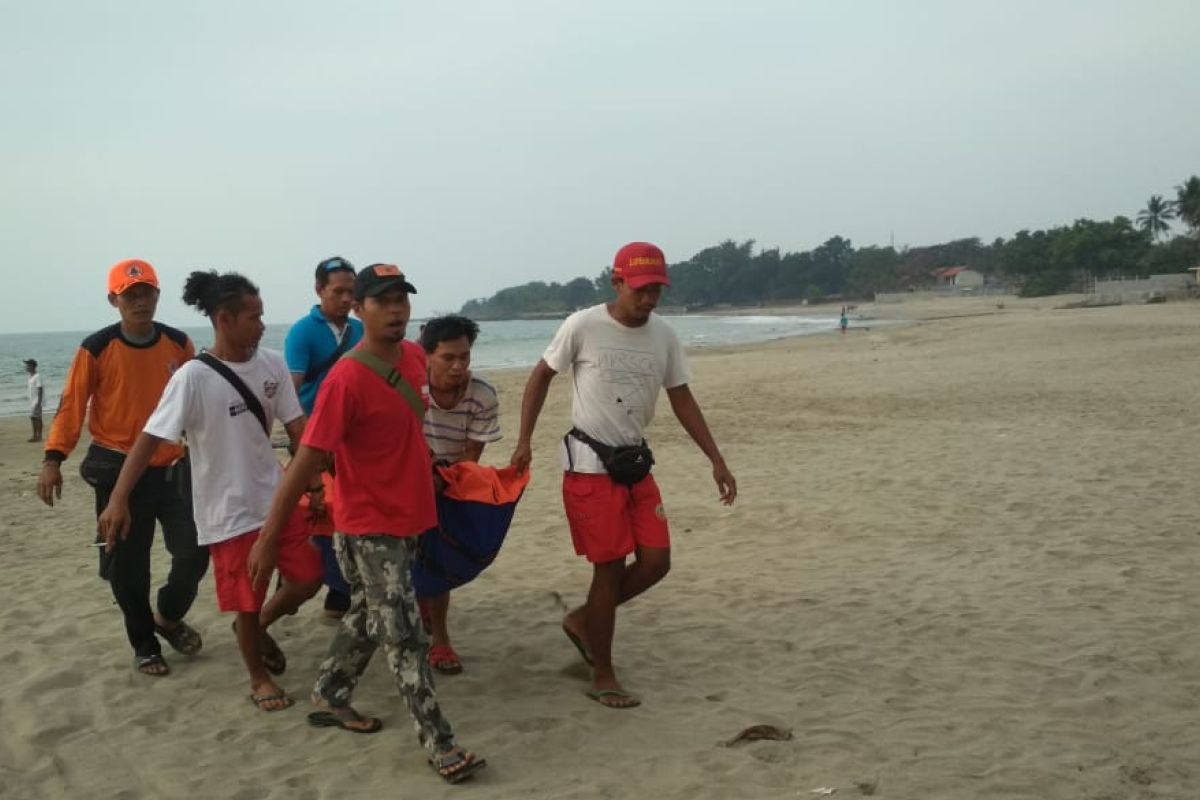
(502, 344)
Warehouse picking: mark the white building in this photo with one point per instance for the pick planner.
(958, 277)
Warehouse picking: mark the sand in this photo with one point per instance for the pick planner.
(962, 564)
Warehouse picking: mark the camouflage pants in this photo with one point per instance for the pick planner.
(383, 613)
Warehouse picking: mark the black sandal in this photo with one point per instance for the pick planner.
(456, 765)
(341, 718)
(153, 665)
(183, 638)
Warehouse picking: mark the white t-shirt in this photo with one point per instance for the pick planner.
(476, 417)
(35, 385)
(234, 468)
(616, 374)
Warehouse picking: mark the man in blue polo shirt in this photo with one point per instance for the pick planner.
(318, 339)
(313, 346)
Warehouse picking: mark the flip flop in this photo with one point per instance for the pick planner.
(456, 765)
(443, 659)
(338, 717)
(599, 694)
(261, 699)
(143, 663)
(575, 640)
(183, 638)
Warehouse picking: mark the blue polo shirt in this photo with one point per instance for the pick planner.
(310, 343)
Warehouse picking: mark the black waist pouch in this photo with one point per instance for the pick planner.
(100, 467)
(626, 465)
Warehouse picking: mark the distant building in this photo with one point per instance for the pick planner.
(1156, 288)
(958, 278)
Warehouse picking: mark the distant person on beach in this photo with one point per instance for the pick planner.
(844, 321)
(225, 400)
(313, 345)
(369, 418)
(463, 418)
(620, 355)
(114, 383)
(37, 394)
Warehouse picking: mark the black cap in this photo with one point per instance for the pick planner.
(378, 278)
(31, 362)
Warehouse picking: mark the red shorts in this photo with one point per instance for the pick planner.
(609, 521)
(298, 562)
(323, 527)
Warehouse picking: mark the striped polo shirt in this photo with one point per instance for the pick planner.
(476, 417)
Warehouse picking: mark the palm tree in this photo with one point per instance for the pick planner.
(1187, 203)
(1153, 218)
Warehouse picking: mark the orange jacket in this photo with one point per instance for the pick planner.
(122, 382)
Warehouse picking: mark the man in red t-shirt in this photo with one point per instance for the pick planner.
(368, 416)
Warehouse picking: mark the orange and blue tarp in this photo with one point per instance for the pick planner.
(474, 513)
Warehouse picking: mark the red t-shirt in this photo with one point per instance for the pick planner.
(384, 480)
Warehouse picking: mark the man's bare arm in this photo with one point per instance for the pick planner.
(688, 412)
(532, 401)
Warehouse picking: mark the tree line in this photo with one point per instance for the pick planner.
(1034, 263)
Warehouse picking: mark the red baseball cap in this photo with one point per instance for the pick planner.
(640, 264)
(130, 273)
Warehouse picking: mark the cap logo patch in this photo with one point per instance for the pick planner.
(134, 271)
(645, 261)
(387, 270)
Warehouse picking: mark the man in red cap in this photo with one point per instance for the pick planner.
(620, 355)
(120, 372)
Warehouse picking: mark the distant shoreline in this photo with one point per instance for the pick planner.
(781, 310)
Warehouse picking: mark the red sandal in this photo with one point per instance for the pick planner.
(443, 659)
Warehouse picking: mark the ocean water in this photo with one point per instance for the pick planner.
(505, 344)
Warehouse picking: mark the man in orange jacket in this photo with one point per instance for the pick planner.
(121, 371)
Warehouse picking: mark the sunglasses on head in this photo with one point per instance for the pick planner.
(332, 264)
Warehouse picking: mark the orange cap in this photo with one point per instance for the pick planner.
(128, 273)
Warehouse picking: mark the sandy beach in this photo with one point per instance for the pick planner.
(962, 564)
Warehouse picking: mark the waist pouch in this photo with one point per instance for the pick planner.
(100, 467)
(626, 465)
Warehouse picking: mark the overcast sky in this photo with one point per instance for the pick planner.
(485, 144)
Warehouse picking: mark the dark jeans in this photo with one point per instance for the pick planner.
(163, 494)
(338, 596)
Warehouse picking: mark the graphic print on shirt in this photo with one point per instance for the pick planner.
(628, 379)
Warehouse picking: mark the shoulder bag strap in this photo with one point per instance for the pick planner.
(252, 402)
(343, 345)
(392, 377)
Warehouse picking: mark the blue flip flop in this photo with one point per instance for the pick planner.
(599, 694)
